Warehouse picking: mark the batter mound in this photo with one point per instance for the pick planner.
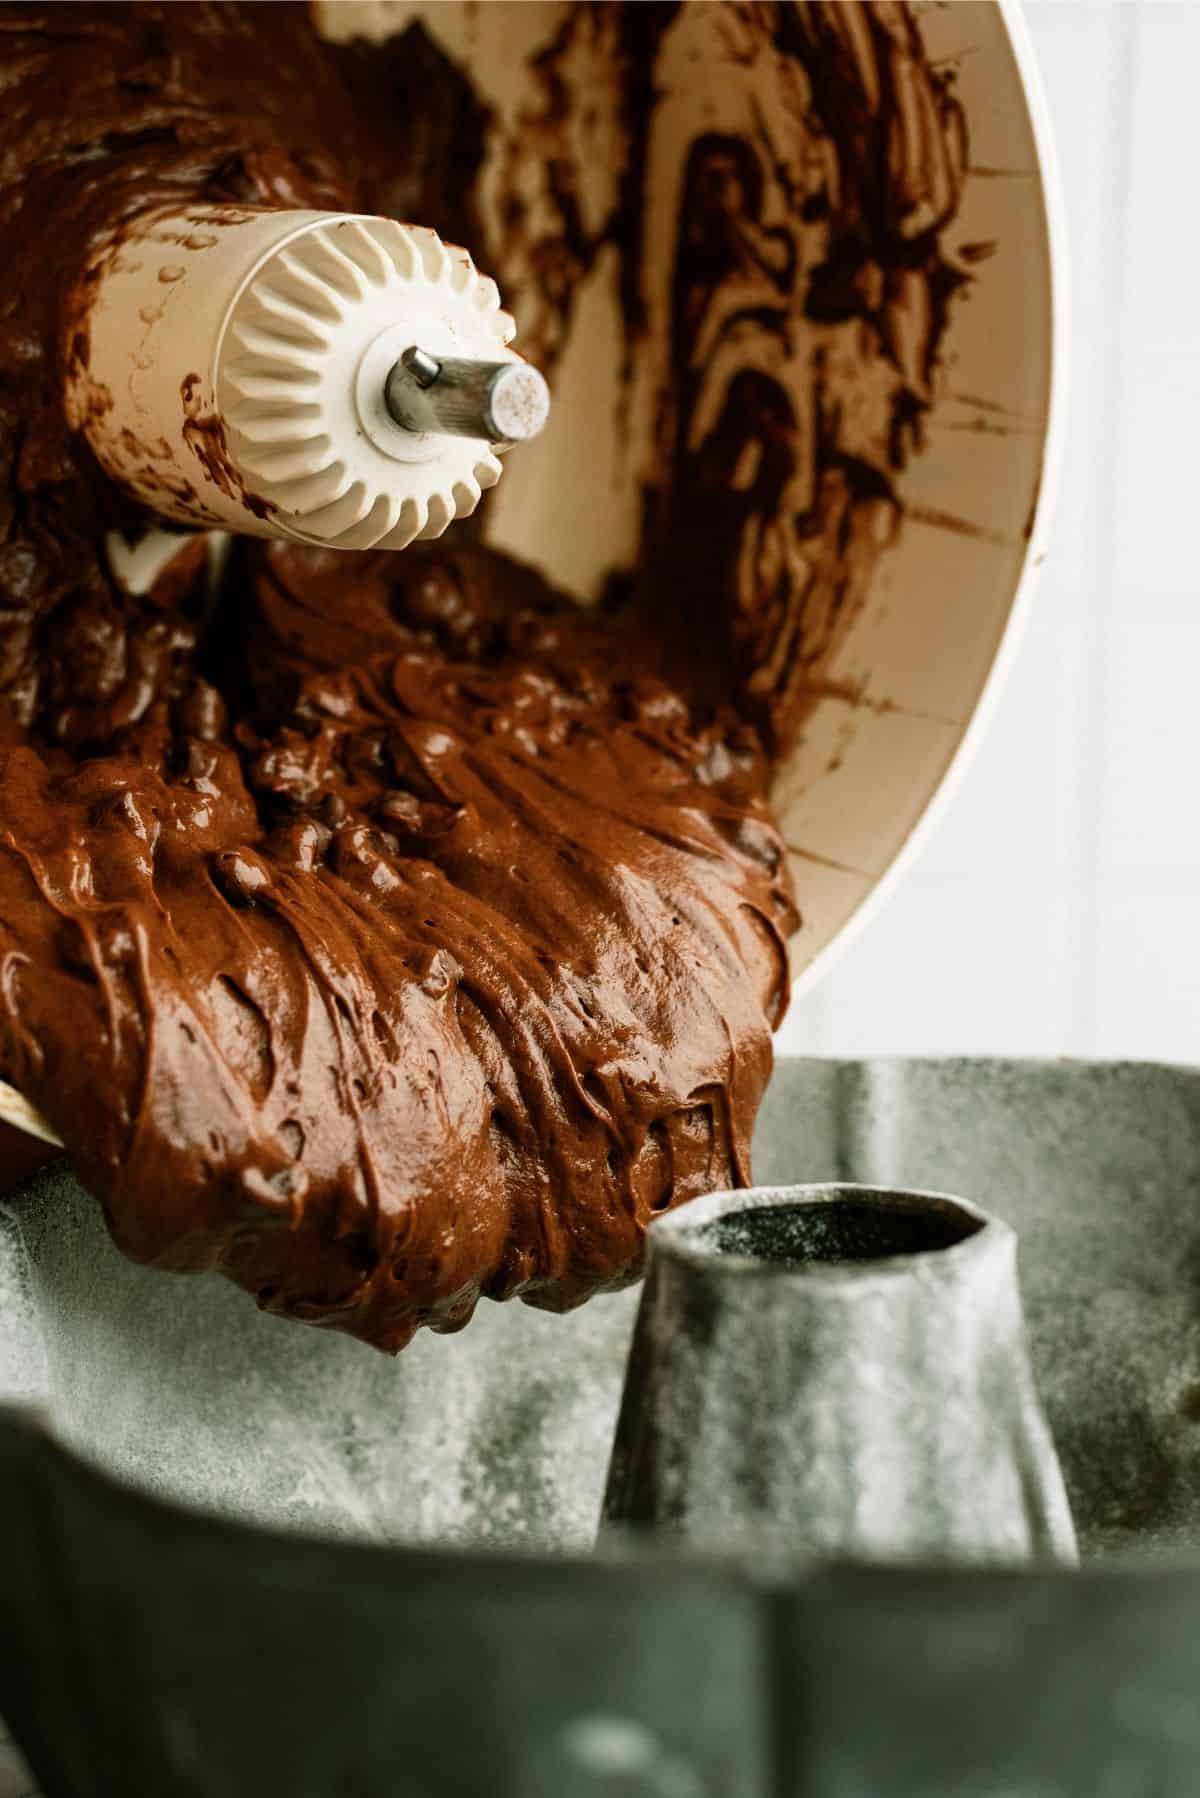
(386, 933)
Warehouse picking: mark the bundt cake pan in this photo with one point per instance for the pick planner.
(238, 1557)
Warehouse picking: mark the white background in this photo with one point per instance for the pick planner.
(1055, 908)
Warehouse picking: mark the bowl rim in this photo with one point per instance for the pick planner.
(1029, 77)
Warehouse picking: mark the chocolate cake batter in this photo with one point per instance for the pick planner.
(387, 933)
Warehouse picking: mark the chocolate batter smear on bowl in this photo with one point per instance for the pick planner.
(388, 932)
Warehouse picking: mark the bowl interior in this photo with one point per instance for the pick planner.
(789, 275)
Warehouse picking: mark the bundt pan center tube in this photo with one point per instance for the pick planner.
(837, 1370)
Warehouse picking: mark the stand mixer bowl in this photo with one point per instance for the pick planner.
(790, 273)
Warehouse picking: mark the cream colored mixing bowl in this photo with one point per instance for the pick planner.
(851, 232)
